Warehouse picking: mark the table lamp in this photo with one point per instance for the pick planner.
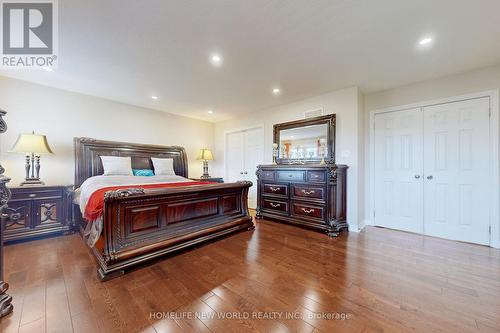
(205, 155)
(32, 145)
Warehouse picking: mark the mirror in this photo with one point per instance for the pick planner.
(303, 142)
(306, 141)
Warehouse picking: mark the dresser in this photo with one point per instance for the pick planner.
(35, 211)
(312, 195)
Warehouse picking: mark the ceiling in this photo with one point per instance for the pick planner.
(130, 50)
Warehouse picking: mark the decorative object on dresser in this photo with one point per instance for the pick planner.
(306, 141)
(36, 211)
(142, 225)
(32, 145)
(306, 187)
(275, 152)
(311, 195)
(211, 179)
(5, 299)
(205, 155)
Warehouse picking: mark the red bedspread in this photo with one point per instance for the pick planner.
(95, 205)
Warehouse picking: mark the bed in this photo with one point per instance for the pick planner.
(141, 224)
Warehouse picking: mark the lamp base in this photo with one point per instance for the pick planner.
(32, 182)
(205, 176)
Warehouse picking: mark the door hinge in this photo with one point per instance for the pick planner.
(489, 230)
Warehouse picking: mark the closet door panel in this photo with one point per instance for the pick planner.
(456, 169)
(254, 155)
(398, 170)
(235, 157)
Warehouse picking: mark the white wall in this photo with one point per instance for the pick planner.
(481, 80)
(62, 115)
(345, 103)
(460, 84)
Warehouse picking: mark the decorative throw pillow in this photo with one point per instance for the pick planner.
(143, 172)
(163, 166)
(117, 166)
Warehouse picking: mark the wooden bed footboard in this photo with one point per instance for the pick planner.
(140, 225)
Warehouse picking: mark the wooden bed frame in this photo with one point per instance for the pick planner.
(140, 225)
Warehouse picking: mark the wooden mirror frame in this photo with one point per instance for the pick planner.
(330, 138)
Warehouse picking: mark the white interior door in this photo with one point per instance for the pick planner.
(244, 151)
(398, 170)
(235, 156)
(456, 169)
(254, 155)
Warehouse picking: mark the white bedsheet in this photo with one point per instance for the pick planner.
(94, 228)
(93, 184)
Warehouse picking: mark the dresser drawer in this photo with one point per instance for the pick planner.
(275, 206)
(308, 192)
(316, 176)
(266, 175)
(310, 211)
(38, 194)
(291, 176)
(275, 189)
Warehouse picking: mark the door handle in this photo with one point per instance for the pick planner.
(417, 176)
(246, 173)
(430, 177)
(241, 172)
(308, 192)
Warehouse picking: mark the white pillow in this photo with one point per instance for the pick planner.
(163, 166)
(116, 165)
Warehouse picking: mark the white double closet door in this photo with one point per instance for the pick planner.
(432, 170)
(244, 151)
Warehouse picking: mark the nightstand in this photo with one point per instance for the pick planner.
(211, 179)
(35, 211)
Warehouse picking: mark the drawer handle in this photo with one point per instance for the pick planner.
(308, 211)
(32, 195)
(274, 189)
(308, 192)
(274, 205)
(290, 176)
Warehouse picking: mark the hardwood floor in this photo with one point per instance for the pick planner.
(381, 280)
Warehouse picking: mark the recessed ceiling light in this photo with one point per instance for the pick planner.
(154, 97)
(210, 112)
(276, 91)
(425, 41)
(216, 59)
(48, 69)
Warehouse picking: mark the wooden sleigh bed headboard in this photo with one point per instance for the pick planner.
(88, 150)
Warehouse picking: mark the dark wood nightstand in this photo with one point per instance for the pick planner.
(211, 179)
(35, 211)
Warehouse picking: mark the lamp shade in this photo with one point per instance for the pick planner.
(31, 143)
(205, 155)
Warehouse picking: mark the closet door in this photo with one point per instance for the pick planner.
(254, 155)
(235, 156)
(456, 170)
(244, 151)
(398, 170)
